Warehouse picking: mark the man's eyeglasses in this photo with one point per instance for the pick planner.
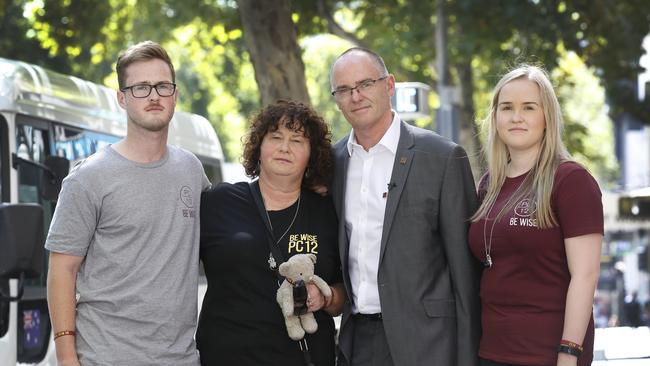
(144, 90)
(345, 93)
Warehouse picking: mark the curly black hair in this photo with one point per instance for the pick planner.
(296, 116)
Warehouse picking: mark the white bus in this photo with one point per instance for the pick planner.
(44, 114)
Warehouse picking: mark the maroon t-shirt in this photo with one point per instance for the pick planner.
(523, 294)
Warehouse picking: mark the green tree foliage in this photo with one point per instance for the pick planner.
(19, 39)
(216, 78)
(204, 41)
(589, 129)
(319, 53)
(488, 37)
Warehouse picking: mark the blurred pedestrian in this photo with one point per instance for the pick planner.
(632, 311)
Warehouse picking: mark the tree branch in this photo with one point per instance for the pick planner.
(334, 28)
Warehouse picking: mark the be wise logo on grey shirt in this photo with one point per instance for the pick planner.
(188, 201)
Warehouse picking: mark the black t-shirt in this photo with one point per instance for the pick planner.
(241, 322)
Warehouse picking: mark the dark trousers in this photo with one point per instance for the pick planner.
(369, 345)
(484, 362)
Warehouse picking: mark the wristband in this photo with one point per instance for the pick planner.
(569, 350)
(64, 333)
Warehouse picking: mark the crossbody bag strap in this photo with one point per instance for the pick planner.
(261, 209)
(277, 254)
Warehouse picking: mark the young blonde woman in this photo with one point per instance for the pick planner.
(538, 232)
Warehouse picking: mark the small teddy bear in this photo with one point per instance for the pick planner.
(298, 271)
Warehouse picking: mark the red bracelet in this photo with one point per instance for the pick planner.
(570, 344)
(64, 333)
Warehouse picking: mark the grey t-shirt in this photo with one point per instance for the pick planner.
(137, 225)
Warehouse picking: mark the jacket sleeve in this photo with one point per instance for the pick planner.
(458, 204)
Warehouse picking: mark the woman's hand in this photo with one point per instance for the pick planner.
(565, 359)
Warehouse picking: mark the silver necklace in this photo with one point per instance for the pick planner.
(272, 263)
(488, 244)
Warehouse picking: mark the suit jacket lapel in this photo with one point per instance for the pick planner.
(341, 161)
(401, 167)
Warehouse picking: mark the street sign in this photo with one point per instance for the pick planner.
(411, 100)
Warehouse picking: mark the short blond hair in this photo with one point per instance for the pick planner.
(143, 51)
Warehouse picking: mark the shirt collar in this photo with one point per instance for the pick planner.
(390, 139)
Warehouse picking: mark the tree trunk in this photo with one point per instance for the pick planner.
(271, 40)
(469, 132)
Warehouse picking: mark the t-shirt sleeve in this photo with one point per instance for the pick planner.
(74, 221)
(332, 227)
(208, 218)
(205, 182)
(218, 206)
(482, 187)
(579, 206)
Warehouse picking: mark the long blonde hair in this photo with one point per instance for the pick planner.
(538, 184)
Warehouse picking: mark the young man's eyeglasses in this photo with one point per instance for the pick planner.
(344, 93)
(144, 90)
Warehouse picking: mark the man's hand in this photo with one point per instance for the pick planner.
(315, 299)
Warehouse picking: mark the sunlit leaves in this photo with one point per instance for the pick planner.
(589, 132)
(319, 52)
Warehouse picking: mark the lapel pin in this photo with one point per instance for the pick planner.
(402, 160)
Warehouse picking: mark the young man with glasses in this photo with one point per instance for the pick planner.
(404, 197)
(123, 274)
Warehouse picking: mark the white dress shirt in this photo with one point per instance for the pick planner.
(367, 184)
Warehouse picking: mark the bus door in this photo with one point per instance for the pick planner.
(4, 197)
(34, 328)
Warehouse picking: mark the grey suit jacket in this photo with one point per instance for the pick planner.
(428, 280)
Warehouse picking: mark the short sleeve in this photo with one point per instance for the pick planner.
(578, 203)
(205, 182)
(208, 217)
(331, 226)
(482, 187)
(74, 221)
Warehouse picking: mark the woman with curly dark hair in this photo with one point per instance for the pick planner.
(249, 229)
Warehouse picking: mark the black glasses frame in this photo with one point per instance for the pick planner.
(151, 87)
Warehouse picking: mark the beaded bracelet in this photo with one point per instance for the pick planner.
(64, 333)
(572, 345)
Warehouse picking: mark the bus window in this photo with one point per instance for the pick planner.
(74, 144)
(31, 144)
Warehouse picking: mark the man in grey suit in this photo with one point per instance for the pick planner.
(404, 197)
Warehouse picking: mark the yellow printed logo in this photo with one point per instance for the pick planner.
(303, 243)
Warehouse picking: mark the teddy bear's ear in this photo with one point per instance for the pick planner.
(312, 257)
(283, 269)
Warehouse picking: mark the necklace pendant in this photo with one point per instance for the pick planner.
(488, 261)
(271, 261)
